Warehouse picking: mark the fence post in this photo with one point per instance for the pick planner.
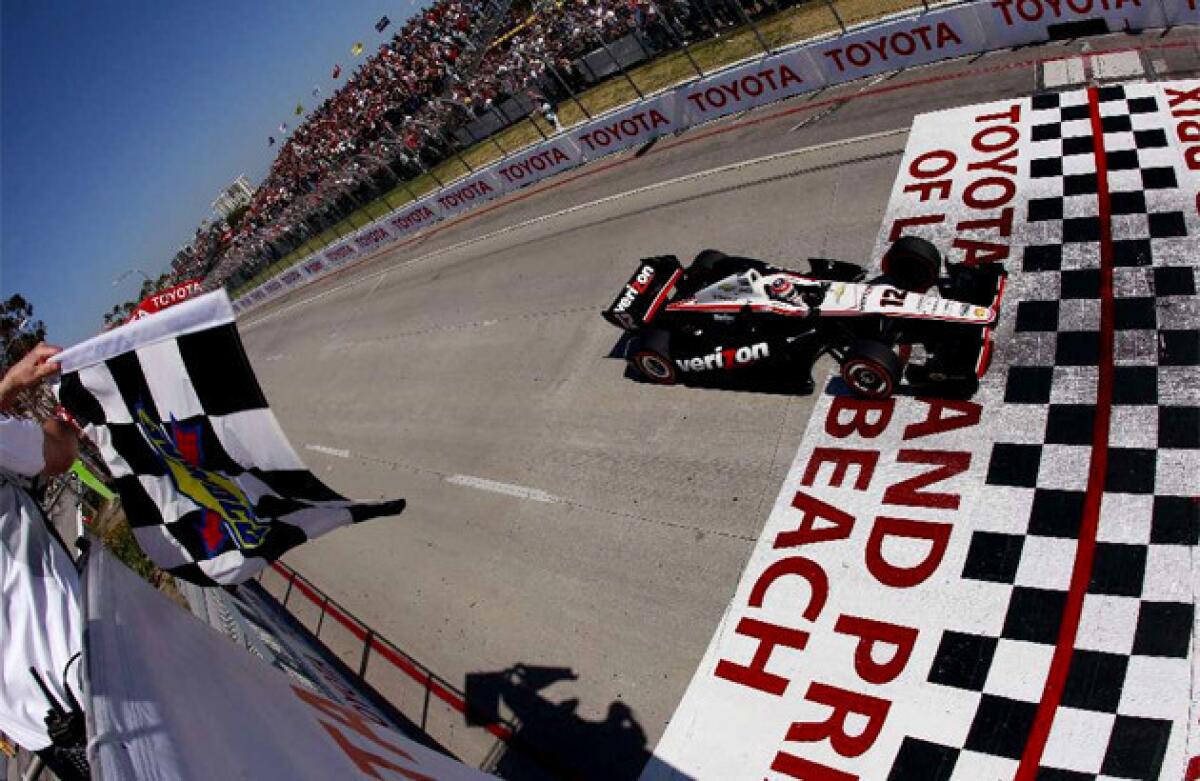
(746, 19)
(288, 592)
(676, 32)
(836, 15)
(616, 62)
(362, 665)
(558, 77)
(425, 706)
(321, 618)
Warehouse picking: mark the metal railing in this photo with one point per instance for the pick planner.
(374, 644)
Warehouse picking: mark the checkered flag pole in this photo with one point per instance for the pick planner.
(211, 487)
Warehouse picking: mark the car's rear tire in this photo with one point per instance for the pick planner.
(871, 370)
(649, 355)
(707, 260)
(913, 264)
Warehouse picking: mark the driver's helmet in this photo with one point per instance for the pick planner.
(782, 289)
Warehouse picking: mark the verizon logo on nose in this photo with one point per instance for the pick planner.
(728, 358)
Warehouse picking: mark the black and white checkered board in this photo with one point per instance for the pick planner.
(1129, 681)
(209, 483)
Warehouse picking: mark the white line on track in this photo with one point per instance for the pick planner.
(508, 489)
(378, 282)
(581, 207)
(329, 451)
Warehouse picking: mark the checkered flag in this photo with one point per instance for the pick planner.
(211, 486)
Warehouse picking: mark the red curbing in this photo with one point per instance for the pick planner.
(1085, 552)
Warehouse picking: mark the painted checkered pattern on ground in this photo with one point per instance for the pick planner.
(1116, 717)
(1049, 641)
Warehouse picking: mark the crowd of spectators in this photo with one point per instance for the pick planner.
(457, 60)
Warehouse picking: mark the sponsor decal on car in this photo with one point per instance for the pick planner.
(727, 358)
(635, 288)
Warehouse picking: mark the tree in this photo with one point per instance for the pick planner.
(19, 331)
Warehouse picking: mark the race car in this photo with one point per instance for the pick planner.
(732, 314)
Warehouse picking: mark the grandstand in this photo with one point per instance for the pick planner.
(463, 71)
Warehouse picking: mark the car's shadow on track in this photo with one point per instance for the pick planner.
(550, 740)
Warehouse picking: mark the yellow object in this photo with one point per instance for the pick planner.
(356, 49)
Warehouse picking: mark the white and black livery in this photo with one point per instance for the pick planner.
(727, 314)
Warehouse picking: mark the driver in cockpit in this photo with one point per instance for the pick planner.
(796, 292)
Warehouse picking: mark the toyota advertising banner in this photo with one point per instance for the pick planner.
(636, 124)
(411, 218)
(904, 43)
(469, 192)
(1016, 22)
(374, 236)
(156, 302)
(746, 86)
(533, 165)
(945, 33)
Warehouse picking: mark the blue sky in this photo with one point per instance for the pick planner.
(121, 121)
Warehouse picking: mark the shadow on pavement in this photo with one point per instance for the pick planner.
(551, 741)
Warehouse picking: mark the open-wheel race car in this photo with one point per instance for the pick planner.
(728, 314)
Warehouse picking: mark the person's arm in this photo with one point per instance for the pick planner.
(27, 373)
(60, 447)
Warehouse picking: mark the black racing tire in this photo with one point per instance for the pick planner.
(871, 370)
(649, 355)
(912, 264)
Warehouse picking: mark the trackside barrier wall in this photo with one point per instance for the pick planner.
(903, 42)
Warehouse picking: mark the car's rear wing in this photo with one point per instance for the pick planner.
(645, 293)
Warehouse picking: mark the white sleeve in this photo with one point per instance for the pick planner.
(21, 446)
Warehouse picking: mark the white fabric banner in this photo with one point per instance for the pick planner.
(41, 618)
(1016, 22)
(315, 267)
(904, 43)
(374, 236)
(171, 698)
(533, 165)
(1184, 12)
(746, 86)
(339, 253)
(470, 191)
(415, 216)
(633, 125)
(292, 277)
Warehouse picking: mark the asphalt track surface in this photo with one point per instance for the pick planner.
(561, 514)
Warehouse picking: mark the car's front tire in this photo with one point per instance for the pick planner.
(912, 264)
(871, 370)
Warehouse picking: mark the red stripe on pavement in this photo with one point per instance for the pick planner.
(1085, 551)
